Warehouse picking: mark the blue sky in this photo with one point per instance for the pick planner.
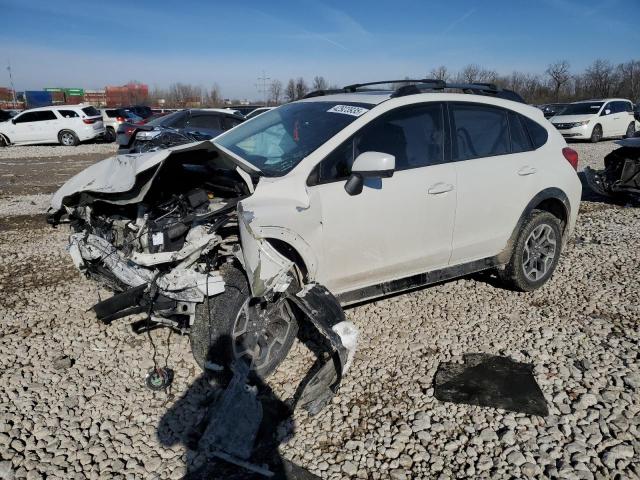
(91, 44)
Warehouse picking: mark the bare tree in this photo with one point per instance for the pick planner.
(599, 77)
(629, 74)
(440, 73)
(215, 97)
(559, 75)
(470, 73)
(290, 91)
(319, 83)
(275, 92)
(301, 88)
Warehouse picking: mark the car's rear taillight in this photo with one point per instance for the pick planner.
(129, 130)
(89, 121)
(572, 157)
(120, 119)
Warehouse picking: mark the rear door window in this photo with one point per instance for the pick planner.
(46, 115)
(520, 141)
(537, 132)
(91, 111)
(479, 131)
(68, 113)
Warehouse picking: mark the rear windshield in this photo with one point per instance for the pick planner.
(583, 108)
(166, 120)
(277, 140)
(91, 112)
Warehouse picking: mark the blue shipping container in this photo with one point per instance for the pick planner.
(38, 98)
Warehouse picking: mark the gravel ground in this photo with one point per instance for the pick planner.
(35, 151)
(73, 404)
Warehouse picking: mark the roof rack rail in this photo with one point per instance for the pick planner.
(415, 86)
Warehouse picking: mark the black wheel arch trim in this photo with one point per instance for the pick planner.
(551, 193)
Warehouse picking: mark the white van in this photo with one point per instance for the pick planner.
(65, 124)
(596, 119)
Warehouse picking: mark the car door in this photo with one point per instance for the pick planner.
(396, 226)
(622, 116)
(24, 127)
(497, 176)
(607, 121)
(48, 126)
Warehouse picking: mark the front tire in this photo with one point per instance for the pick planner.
(4, 142)
(631, 130)
(224, 331)
(596, 134)
(68, 138)
(535, 254)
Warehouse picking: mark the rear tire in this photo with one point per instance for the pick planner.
(68, 138)
(217, 333)
(596, 134)
(631, 130)
(535, 254)
(110, 135)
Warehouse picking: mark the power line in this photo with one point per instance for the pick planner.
(262, 85)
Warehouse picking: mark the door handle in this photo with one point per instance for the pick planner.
(527, 170)
(438, 188)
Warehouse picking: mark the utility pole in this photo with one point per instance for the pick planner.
(262, 86)
(13, 90)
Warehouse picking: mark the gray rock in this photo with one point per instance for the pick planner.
(516, 458)
(63, 362)
(6, 470)
(349, 468)
(619, 452)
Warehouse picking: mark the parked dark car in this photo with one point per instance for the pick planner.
(551, 109)
(176, 128)
(140, 110)
(5, 115)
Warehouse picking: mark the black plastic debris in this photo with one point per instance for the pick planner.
(490, 381)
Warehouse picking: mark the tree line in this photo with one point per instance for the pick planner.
(558, 83)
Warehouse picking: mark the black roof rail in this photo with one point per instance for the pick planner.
(355, 86)
(415, 86)
(319, 93)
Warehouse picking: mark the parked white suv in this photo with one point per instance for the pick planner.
(320, 203)
(596, 119)
(65, 124)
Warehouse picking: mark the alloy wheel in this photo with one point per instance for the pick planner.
(67, 139)
(259, 332)
(539, 252)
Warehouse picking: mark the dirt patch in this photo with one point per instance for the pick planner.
(26, 176)
(23, 222)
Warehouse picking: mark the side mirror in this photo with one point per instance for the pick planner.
(369, 165)
(606, 112)
(13, 121)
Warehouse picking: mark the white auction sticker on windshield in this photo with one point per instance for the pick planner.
(348, 110)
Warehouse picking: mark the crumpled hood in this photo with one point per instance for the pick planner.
(118, 174)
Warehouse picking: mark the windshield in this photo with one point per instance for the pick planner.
(583, 108)
(277, 140)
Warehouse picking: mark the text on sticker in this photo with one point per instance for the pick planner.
(348, 110)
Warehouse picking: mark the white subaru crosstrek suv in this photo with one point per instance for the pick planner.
(596, 119)
(65, 124)
(339, 198)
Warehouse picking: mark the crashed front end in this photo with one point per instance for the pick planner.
(158, 229)
(154, 229)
